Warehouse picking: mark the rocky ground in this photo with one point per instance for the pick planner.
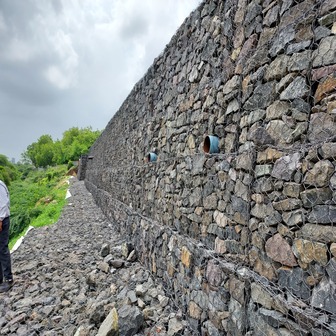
(79, 277)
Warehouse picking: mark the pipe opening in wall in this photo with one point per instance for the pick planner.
(151, 157)
(211, 144)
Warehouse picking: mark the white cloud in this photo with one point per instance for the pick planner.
(66, 63)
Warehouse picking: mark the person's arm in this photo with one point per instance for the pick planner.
(3, 204)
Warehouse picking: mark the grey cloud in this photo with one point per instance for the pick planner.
(81, 39)
(133, 27)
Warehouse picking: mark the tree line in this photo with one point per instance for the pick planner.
(47, 152)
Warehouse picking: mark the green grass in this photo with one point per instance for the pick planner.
(37, 200)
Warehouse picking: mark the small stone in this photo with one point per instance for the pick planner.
(292, 189)
(260, 296)
(333, 249)
(117, 263)
(279, 250)
(186, 257)
(323, 214)
(307, 251)
(287, 204)
(213, 273)
(194, 310)
(280, 131)
(297, 89)
(319, 233)
(325, 54)
(315, 196)
(105, 250)
(293, 280)
(286, 166)
(110, 325)
(320, 175)
(174, 327)
(293, 218)
(328, 150)
(277, 110)
(103, 266)
(132, 256)
(268, 155)
(324, 296)
(321, 127)
(324, 88)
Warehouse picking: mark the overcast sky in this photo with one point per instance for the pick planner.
(71, 63)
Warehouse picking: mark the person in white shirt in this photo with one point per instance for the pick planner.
(6, 276)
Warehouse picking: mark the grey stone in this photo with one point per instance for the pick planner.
(328, 150)
(296, 47)
(333, 182)
(271, 16)
(331, 269)
(259, 295)
(293, 280)
(105, 250)
(110, 325)
(214, 273)
(327, 19)
(297, 89)
(280, 131)
(231, 85)
(252, 117)
(262, 210)
(277, 110)
(130, 320)
(321, 127)
(325, 54)
(300, 61)
(278, 68)
(293, 218)
(285, 167)
(262, 97)
(262, 170)
(319, 233)
(321, 32)
(323, 214)
(324, 296)
(260, 136)
(281, 40)
(315, 196)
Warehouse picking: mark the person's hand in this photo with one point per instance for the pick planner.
(0, 226)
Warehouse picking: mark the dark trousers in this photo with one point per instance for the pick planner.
(5, 257)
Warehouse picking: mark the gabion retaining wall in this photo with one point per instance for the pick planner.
(245, 239)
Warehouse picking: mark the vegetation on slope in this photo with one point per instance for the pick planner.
(38, 184)
(37, 199)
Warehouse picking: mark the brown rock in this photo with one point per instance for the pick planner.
(324, 88)
(320, 233)
(186, 257)
(261, 265)
(287, 204)
(308, 251)
(279, 250)
(327, 6)
(333, 249)
(194, 310)
(269, 155)
(320, 175)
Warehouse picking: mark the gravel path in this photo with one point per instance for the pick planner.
(70, 275)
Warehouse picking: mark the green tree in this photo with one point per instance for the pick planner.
(41, 152)
(8, 171)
